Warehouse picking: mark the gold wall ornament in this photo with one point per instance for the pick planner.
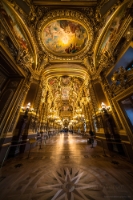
(43, 60)
(24, 58)
(88, 61)
(121, 80)
(72, 22)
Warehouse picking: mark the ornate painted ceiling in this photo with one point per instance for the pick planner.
(65, 91)
(64, 44)
(64, 37)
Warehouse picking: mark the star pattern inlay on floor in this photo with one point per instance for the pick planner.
(61, 171)
(71, 182)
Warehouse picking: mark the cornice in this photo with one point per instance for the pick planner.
(65, 3)
(65, 69)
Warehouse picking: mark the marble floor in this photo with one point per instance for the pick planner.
(66, 168)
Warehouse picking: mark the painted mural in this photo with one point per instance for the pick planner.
(53, 82)
(65, 80)
(65, 93)
(9, 17)
(113, 30)
(64, 36)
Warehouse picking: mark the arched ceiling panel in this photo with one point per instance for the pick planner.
(18, 31)
(109, 32)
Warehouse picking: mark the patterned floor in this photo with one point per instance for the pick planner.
(66, 168)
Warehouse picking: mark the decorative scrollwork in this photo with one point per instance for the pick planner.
(43, 60)
(88, 61)
(120, 80)
(24, 59)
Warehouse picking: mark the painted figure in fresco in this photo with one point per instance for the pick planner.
(65, 80)
(13, 26)
(71, 27)
(113, 30)
(65, 93)
(52, 81)
(72, 48)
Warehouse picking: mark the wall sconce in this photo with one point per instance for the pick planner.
(27, 108)
(104, 107)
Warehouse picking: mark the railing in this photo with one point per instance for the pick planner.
(117, 143)
(30, 141)
(7, 151)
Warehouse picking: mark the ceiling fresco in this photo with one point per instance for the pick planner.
(64, 36)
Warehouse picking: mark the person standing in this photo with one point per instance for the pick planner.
(92, 138)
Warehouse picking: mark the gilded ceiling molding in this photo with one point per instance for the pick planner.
(64, 61)
(65, 3)
(65, 69)
(71, 15)
(98, 10)
(127, 22)
(88, 62)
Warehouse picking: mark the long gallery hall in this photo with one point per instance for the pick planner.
(66, 99)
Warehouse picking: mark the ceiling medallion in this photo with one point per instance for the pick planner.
(65, 34)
